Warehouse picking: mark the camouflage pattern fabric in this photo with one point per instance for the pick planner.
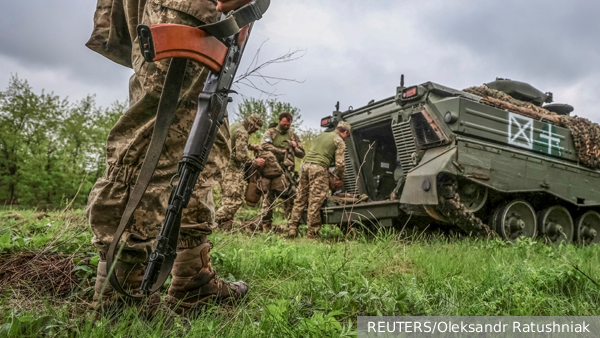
(328, 147)
(233, 182)
(340, 160)
(344, 198)
(232, 196)
(239, 139)
(485, 91)
(129, 139)
(340, 150)
(312, 191)
(115, 23)
(586, 134)
(270, 134)
(275, 156)
(270, 202)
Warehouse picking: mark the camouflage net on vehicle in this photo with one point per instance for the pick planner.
(586, 134)
(458, 214)
(455, 212)
(347, 198)
(487, 92)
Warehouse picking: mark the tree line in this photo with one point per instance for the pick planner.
(52, 150)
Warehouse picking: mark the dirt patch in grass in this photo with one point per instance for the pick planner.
(40, 273)
(396, 266)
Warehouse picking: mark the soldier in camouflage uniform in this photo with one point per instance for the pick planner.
(114, 36)
(327, 148)
(280, 146)
(233, 182)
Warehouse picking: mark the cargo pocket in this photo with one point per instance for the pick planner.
(203, 10)
(253, 193)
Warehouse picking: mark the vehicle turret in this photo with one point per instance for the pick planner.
(521, 91)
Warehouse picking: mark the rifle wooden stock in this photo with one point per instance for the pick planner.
(180, 41)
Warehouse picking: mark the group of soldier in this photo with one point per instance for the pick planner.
(194, 282)
(273, 170)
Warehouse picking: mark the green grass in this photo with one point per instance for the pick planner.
(318, 288)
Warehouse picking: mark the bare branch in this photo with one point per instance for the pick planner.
(250, 84)
(255, 70)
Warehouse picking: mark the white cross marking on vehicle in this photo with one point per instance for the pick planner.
(525, 127)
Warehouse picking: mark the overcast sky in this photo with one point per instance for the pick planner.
(355, 50)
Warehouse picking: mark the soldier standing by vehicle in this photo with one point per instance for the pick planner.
(233, 181)
(314, 179)
(280, 146)
(114, 36)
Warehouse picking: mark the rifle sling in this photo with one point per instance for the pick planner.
(237, 19)
(164, 117)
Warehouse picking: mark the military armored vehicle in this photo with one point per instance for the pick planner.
(413, 152)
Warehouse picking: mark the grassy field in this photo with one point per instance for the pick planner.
(298, 287)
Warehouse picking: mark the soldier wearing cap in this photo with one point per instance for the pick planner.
(327, 148)
(233, 180)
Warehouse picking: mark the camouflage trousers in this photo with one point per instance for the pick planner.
(232, 192)
(126, 149)
(312, 191)
(269, 203)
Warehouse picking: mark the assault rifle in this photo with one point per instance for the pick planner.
(219, 47)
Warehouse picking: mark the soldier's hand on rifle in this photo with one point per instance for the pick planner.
(294, 144)
(229, 5)
(259, 161)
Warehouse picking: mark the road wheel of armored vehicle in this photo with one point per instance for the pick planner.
(588, 228)
(515, 219)
(556, 224)
(472, 195)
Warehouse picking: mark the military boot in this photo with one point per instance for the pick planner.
(251, 226)
(226, 226)
(195, 283)
(278, 229)
(130, 275)
(266, 226)
(292, 231)
(313, 232)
